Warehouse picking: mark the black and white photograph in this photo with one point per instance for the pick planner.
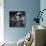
(17, 19)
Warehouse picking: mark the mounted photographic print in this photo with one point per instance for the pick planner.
(17, 19)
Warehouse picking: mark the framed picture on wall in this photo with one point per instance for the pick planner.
(17, 19)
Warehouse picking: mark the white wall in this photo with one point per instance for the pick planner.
(1, 21)
(43, 6)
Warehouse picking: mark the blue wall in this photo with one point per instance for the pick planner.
(30, 7)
